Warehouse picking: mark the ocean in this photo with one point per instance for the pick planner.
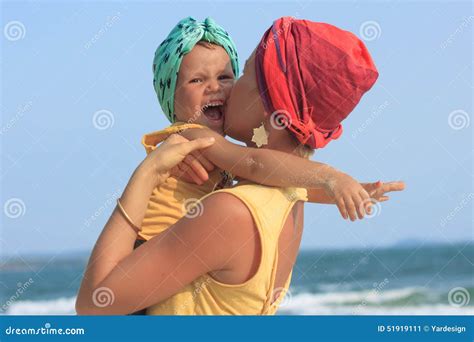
(409, 279)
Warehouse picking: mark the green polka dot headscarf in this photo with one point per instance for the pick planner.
(179, 42)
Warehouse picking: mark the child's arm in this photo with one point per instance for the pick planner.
(275, 168)
(319, 195)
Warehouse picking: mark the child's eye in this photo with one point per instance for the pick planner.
(225, 77)
(195, 80)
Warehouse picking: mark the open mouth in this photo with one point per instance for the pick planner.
(213, 110)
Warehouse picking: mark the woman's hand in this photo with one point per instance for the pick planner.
(179, 156)
(194, 168)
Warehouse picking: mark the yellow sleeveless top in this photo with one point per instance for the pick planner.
(171, 200)
(269, 207)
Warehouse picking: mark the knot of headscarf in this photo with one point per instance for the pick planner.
(311, 76)
(181, 40)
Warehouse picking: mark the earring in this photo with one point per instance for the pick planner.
(260, 136)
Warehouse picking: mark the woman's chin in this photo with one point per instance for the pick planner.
(229, 130)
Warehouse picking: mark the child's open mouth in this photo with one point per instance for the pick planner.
(214, 110)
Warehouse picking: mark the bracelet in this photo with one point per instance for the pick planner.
(125, 215)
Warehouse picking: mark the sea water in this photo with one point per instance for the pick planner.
(417, 279)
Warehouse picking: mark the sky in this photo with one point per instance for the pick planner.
(77, 95)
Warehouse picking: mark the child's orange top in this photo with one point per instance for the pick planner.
(171, 200)
(269, 207)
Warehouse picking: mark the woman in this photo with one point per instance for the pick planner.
(238, 255)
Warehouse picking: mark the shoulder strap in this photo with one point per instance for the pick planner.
(251, 196)
(150, 140)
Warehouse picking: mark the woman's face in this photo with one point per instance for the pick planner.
(244, 110)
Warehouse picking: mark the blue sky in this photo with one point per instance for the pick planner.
(77, 96)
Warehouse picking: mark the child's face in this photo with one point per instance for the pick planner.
(204, 83)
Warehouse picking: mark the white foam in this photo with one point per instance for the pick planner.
(367, 296)
(60, 306)
(300, 304)
(336, 303)
(437, 310)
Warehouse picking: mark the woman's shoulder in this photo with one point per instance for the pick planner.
(228, 212)
(229, 219)
(227, 204)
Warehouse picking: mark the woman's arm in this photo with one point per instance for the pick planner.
(130, 280)
(275, 168)
(116, 240)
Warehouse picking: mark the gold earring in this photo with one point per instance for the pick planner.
(260, 136)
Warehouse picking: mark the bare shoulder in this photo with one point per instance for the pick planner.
(232, 215)
(236, 237)
(212, 236)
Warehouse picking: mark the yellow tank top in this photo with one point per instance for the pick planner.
(269, 207)
(171, 200)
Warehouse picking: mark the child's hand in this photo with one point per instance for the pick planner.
(378, 189)
(349, 195)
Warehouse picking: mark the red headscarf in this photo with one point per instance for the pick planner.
(311, 76)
